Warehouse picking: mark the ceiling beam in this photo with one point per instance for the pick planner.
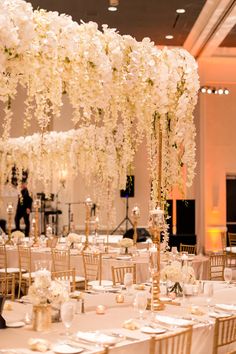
(215, 21)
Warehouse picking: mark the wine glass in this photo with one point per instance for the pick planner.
(128, 282)
(67, 315)
(140, 303)
(209, 292)
(227, 275)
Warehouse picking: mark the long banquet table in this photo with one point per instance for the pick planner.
(14, 340)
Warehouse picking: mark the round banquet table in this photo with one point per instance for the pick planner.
(199, 263)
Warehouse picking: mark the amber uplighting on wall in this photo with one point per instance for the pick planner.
(214, 90)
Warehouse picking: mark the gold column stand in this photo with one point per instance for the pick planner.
(9, 221)
(88, 204)
(36, 225)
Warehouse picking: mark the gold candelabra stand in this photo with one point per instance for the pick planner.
(136, 216)
(88, 205)
(9, 221)
(157, 221)
(36, 222)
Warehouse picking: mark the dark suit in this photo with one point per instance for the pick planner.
(24, 203)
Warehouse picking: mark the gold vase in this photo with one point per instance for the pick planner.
(42, 317)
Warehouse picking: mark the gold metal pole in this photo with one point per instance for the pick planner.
(9, 221)
(157, 223)
(36, 224)
(88, 204)
(136, 215)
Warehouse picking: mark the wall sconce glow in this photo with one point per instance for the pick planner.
(169, 36)
(180, 11)
(112, 8)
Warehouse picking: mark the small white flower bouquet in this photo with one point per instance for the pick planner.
(44, 290)
(176, 273)
(17, 236)
(73, 238)
(126, 243)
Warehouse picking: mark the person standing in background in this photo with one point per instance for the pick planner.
(23, 209)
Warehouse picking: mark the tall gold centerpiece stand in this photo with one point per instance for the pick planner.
(157, 222)
(136, 216)
(37, 204)
(88, 205)
(9, 221)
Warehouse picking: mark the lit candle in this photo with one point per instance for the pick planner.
(100, 310)
(120, 298)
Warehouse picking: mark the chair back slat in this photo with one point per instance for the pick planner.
(118, 273)
(92, 267)
(7, 286)
(224, 333)
(66, 275)
(176, 343)
(191, 249)
(216, 266)
(60, 259)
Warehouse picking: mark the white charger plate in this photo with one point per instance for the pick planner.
(151, 330)
(123, 258)
(95, 283)
(66, 349)
(16, 324)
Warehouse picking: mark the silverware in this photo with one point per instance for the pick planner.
(119, 335)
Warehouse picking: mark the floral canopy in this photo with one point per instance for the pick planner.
(121, 91)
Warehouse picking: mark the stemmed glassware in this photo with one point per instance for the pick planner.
(128, 282)
(209, 292)
(140, 303)
(67, 315)
(227, 275)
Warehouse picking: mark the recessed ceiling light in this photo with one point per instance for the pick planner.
(209, 90)
(112, 8)
(226, 91)
(220, 91)
(180, 11)
(203, 89)
(169, 36)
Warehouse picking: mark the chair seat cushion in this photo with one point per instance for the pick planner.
(79, 279)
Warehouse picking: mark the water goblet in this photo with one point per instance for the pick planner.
(128, 282)
(140, 303)
(67, 315)
(227, 275)
(209, 292)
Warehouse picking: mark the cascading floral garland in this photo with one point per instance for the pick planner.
(113, 83)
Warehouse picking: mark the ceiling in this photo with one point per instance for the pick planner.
(207, 28)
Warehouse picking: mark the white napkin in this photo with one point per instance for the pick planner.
(97, 337)
(173, 321)
(226, 307)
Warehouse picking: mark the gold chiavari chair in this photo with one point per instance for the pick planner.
(7, 286)
(118, 273)
(176, 343)
(4, 269)
(191, 249)
(232, 249)
(216, 266)
(66, 275)
(61, 262)
(60, 259)
(52, 242)
(224, 333)
(26, 276)
(92, 267)
(105, 350)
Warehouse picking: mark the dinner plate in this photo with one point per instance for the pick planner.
(99, 338)
(151, 330)
(219, 314)
(103, 283)
(123, 258)
(16, 324)
(66, 349)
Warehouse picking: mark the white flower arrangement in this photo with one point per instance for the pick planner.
(44, 290)
(107, 78)
(73, 238)
(126, 242)
(176, 273)
(17, 236)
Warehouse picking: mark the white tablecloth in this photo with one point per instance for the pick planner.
(113, 319)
